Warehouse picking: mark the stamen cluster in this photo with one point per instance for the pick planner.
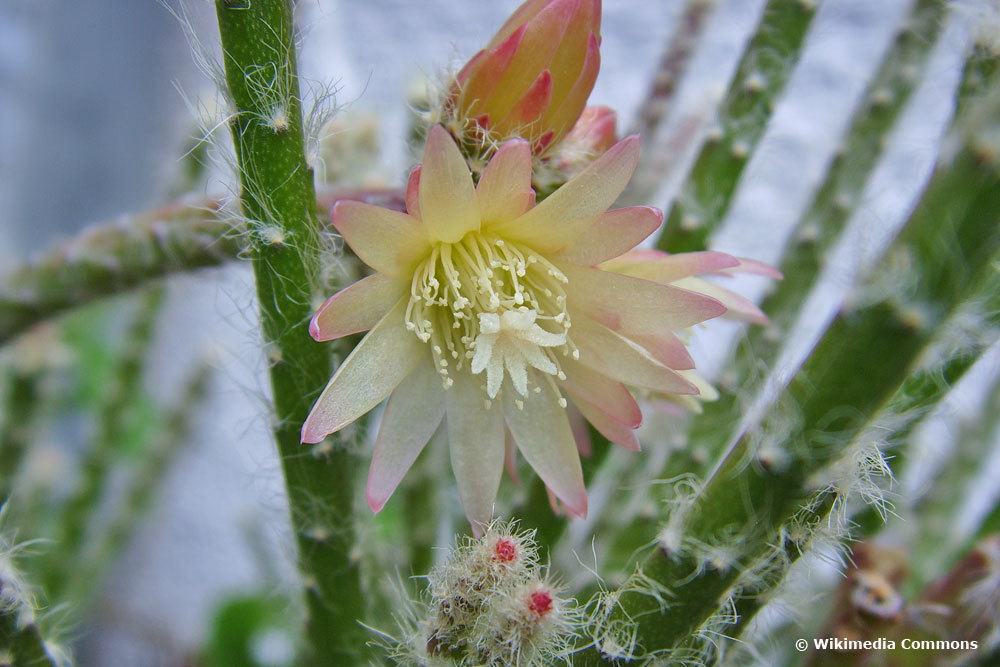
(493, 304)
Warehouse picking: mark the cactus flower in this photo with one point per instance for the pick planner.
(490, 313)
(534, 77)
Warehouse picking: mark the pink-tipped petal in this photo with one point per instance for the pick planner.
(635, 306)
(623, 436)
(753, 267)
(563, 116)
(612, 234)
(448, 206)
(469, 69)
(480, 79)
(357, 307)
(543, 436)
(527, 11)
(666, 348)
(369, 374)
(560, 218)
(554, 503)
(542, 37)
(737, 307)
(504, 189)
(413, 413)
(532, 105)
(388, 241)
(614, 398)
(612, 355)
(595, 131)
(663, 268)
(581, 435)
(476, 443)
(568, 60)
(510, 458)
(413, 192)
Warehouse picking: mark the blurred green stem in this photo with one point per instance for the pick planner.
(19, 413)
(113, 419)
(658, 102)
(949, 245)
(820, 226)
(277, 195)
(743, 114)
(142, 487)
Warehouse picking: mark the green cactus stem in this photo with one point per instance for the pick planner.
(743, 114)
(277, 193)
(820, 226)
(132, 251)
(20, 409)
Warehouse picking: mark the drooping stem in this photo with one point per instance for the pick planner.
(134, 250)
(760, 77)
(114, 258)
(277, 195)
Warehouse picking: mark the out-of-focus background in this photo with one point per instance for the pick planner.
(99, 100)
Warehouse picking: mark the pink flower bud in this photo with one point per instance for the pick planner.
(594, 133)
(534, 77)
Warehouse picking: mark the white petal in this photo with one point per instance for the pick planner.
(369, 374)
(518, 319)
(542, 433)
(489, 323)
(476, 443)
(412, 414)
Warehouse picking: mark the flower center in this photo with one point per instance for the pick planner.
(491, 305)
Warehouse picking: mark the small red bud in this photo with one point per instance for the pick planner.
(540, 602)
(505, 550)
